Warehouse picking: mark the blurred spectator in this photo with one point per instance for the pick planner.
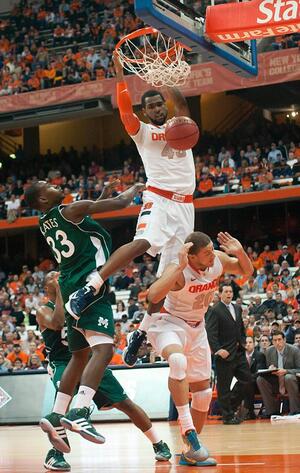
(5, 365)
(286, 256)
(256, 361)
(285, 359)
(17, 353)
(13, 208)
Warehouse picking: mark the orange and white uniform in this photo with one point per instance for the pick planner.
(181, 321)
(167, 214)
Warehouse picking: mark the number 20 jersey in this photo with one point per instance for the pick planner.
(165, 167)
(191, 302)
(79, 248)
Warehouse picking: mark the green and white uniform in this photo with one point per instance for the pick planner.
(79, 249)
(109, 391)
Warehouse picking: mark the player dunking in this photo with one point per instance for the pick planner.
(51, 320)
(178, 332)
(80, 246)
(167, 214)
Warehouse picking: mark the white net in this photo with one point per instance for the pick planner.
(156, 59)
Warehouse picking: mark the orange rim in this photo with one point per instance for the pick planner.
(144, 32)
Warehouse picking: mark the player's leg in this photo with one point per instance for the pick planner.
(151, 235)
(51, 423)
(110, 393)
(178, 219)
(201, 398)
(78, 418)
(140, 419)
(55, 459)
(198, 374)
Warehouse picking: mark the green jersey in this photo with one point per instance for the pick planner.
(77, 247)
(56, 342)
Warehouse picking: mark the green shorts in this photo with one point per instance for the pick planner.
(108, 393)
(56, 369)
(98, 317)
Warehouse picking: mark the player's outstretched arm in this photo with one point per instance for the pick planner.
(181, 107)
(238, 261)
(78, 210)
(128, 117)
(172, 278)
(49, 318)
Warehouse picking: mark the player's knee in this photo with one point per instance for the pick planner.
(178, 366)
(125, 406)
(201, 400)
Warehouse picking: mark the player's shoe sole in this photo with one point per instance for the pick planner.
(208, 462)
(56, 435)
(69, 310)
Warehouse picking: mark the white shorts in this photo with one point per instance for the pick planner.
(168, 330)
(165, 224)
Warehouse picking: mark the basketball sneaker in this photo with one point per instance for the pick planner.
(78, 420)
(130, 353)
(80, 300)
(162, 451)
(56, 432)
(195, 452)
(56, 461)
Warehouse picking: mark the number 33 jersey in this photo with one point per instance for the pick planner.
(165, 168)
(78, 248)
(191, 302)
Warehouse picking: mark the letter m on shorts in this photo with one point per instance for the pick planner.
(102, 321)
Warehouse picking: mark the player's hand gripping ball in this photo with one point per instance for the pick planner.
(181, 133)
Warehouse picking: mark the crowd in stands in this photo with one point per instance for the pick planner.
(50, 43)
(287, 41)
(270, 299)
(239, 168)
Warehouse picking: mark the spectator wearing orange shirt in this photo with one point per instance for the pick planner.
(246, 182)
(68, 198)
(205, 186)
(297, 255)
(34, 351)
(267, 254)
(17, 353)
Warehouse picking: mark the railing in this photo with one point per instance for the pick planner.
(7, 145)
(234, 118)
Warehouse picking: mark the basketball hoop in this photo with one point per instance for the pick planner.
(154, 57)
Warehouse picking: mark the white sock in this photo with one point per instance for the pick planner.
(96, 282)
(145, 323)
(152, 435)
(185, 418)
(84, 397)
(61, 403)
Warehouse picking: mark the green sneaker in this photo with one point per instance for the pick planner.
(78, 420)
(56, 432)
(55, 461)
(162, 451)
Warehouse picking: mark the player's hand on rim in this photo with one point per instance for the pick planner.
(183, 255)
(229, 244)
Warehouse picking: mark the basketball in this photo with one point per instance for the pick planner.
(182, 133)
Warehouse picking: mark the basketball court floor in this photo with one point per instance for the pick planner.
(252, 447)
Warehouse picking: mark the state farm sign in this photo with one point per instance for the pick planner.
(256, 19)
(278, 10)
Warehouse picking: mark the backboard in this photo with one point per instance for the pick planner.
(177, 19)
